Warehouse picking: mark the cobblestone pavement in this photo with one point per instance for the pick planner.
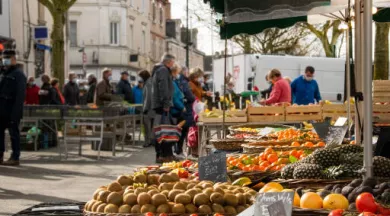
(43, 177)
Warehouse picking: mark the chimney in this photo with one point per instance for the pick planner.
(168, 10)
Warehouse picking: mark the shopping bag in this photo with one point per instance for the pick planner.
(192, 137)
(167, 132)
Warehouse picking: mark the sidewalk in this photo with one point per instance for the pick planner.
(42, 177)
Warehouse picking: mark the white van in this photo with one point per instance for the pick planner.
(329, 72)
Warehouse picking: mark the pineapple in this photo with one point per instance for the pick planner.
(326, 157)
(308, 171)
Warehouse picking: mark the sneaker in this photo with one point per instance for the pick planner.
(159, 160)
(11, 162)
(146, 145)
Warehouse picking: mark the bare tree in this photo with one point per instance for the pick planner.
(381, 58)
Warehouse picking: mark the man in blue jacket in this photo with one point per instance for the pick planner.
(305, 89)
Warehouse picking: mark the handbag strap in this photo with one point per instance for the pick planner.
(166, 115)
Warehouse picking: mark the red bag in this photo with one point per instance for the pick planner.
(192, 137)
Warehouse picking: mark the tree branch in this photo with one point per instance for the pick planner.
(49, 5)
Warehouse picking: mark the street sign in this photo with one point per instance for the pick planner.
(41, 33)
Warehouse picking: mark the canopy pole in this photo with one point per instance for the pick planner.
(367, 73)
(348, 63)
(357, 69)
(224, 88)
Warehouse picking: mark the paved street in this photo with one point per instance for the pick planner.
(42, 177)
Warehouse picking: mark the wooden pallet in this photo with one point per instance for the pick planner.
(266, 114)
(336, 110)
(381, 112)
(304, 113)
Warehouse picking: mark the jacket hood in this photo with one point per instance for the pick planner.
(156, 67)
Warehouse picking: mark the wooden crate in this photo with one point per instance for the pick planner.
(240, 117)
(304, 113)
(382, 112)
(336, 110)
(381, 91)
(266, 114)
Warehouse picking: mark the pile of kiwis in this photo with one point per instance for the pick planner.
(167, 193)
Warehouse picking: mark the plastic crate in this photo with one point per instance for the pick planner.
(56, 212)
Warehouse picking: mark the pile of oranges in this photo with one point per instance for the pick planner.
(308, 144)
(294, 134)
(269, 160)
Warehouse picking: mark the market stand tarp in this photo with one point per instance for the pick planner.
(383, 15)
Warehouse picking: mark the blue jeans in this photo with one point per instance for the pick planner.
(14, 133)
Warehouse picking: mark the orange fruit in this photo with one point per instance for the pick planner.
(297, 199)
(335, 201)
(283, 161)
(295, 144)
(309, 144)
(272, 158)
(269, 150)
(294, 153)
(311, 200)
(265, 164)
(263, 156)
(320, 144)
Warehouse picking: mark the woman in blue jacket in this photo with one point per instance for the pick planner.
(178, 97)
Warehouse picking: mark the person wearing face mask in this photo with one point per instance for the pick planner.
(305, 89)
(266, 93)
(137, 91)
(12, 92)
(196, 81)
(104, 89)
(32, 92)
(48, 95)
(92, 87)
(230, 89)
(72, 91)
(281, 90)
(124, 88)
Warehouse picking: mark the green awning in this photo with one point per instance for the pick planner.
(229, 30)
(383, 15)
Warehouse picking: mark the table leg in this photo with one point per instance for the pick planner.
(80, 146)
(114, 140)
(123, 134)
(65, 143)
(101, 138)
(134, 124)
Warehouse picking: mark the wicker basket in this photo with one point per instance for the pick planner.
(233, 129)
(228, 144)
(87, 213)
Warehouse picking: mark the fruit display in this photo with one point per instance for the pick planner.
(167, 193)
(269, 160)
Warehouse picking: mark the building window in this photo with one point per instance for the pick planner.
(73, 33)
(143, 48)
(161, 16)
(1, 7)
(131, 35)
(154, 12)
(114, 33)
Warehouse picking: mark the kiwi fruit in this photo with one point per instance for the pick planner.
(124, 209)
(174, 176)
(96, 193)
(178, 209)
(208, 191)
(190, 208)
(140, 178)
(164, 208)
(172, 194)
(241, 199)
(143, 199)
(115, 198)
(136, 209)
(230, 210)
(103, 196)
(153, 192)
(111, 208)
(124, 180)
(248, 197)
(148, 208)
(190, 186)
(164, 178)
(165, 186)
(204, 209)
(86, 206)
(95, 206)
(153, 179)
(138, 191)
(192, 193)
(217, 198)
(230, 200)
(219, 190)
(201, 199)
(114, 187)
(89, 207)
(240, 209)
(207, 185)
(165, 193)
(180, 186)
(199, 188)
(159, 199)
(101, 207)
(130, 199)
(183, 199)
(217, 208)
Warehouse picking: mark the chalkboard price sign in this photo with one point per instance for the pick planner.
(213, 168)
(336, 135)
(274, 204)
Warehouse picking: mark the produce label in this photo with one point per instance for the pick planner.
(213, 168)
(274, 204)
(336, 135)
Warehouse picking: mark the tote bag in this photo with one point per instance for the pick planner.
(167, 131)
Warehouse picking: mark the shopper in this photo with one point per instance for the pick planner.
(189, 99)
(196, 80)
(162, 92)
(12, 92)
(281, 90)
(305, 89)
(288, 79)
(72, 91)
(59, 98)
(230, 89)
(148, 112)
(32, 92)
(47, 94)
(92, 81)
(124, 88)
(137, 92)
(266, 93)
(205, 85)
(104, 89)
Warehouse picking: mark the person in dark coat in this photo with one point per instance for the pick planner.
(162, 94)
(124, 88)
(59, 97)
(103, 88)
(92, 81)
(47, 94)
(266, 93)
(72, 91)
(12, 92)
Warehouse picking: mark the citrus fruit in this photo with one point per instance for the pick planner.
(297, 199)
(311, 200)
(335, 201)
(274, 185)
(272, 158)
(295, 144)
